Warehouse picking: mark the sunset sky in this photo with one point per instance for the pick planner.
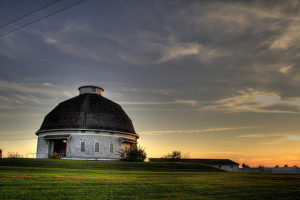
(214, 79)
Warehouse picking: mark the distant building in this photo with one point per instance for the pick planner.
(88, 126)
(225, 164)
(275, 170)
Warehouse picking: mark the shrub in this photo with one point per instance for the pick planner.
(133, 154)
(55, 156)
(174, 156)
(245, 166)
(14, 155)
(261, 166)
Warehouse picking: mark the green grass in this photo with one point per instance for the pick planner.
(65, 179)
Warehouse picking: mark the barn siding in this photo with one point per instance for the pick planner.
(73, 149)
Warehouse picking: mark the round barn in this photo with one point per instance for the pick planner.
(88, 126)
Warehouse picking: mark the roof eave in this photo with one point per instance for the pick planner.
(79, 129)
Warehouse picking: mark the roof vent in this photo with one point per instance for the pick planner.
(91, 89)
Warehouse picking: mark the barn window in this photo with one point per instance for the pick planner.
(97, 146)
(82, 146)
(93, 90)
(111, 147)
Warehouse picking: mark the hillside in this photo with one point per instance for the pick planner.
(107, 165)
(62, 179)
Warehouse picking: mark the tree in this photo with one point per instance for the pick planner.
(174, 156)
(245, 166)
(261, 166)
(133, 154)
(286, 165)
(276, 166)
(14, 155)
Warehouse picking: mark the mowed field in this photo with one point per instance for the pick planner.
(66, 179)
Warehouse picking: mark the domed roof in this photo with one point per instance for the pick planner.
(88, 111)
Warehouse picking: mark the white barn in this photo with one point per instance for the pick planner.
(88, 126)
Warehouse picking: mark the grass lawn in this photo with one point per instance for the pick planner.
(66, 179)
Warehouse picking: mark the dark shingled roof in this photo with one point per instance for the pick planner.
(202, 161)
(88, 111)
(212, 161)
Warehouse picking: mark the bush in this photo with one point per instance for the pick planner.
(174, 156)
(133, 154)
(55, 156)
(261, 166)
(245, 166)
(14, 155)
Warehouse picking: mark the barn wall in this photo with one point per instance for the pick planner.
(42, 148)
(73, 149)
(229, 168)
(74, 145)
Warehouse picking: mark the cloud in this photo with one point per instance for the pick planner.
(25, 98)
(168, 132)
(286, 69)
(33, 88)
(48, 84)
(177, 101)
(251, 100)
(288, 39)
(225, 152)
(293, 101)
(50, 41)
(294, 137)
(184, 101)
(175, 50)
(255, 17)
(267, 135)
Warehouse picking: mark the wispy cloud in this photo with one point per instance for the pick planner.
(50, 40)
(48, 84)
(21, 97)
(175, 50)
(294, 137)
(225, 153)
(262, 135)
(288, 38)
(188, 131)
(286, 69)
(251, 100)
(35, 89)
(176, 101)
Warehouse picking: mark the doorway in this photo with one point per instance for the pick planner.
(59, 148)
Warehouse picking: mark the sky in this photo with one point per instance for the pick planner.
(213, 79)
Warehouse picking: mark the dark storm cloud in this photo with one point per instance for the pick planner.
(203, 51)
